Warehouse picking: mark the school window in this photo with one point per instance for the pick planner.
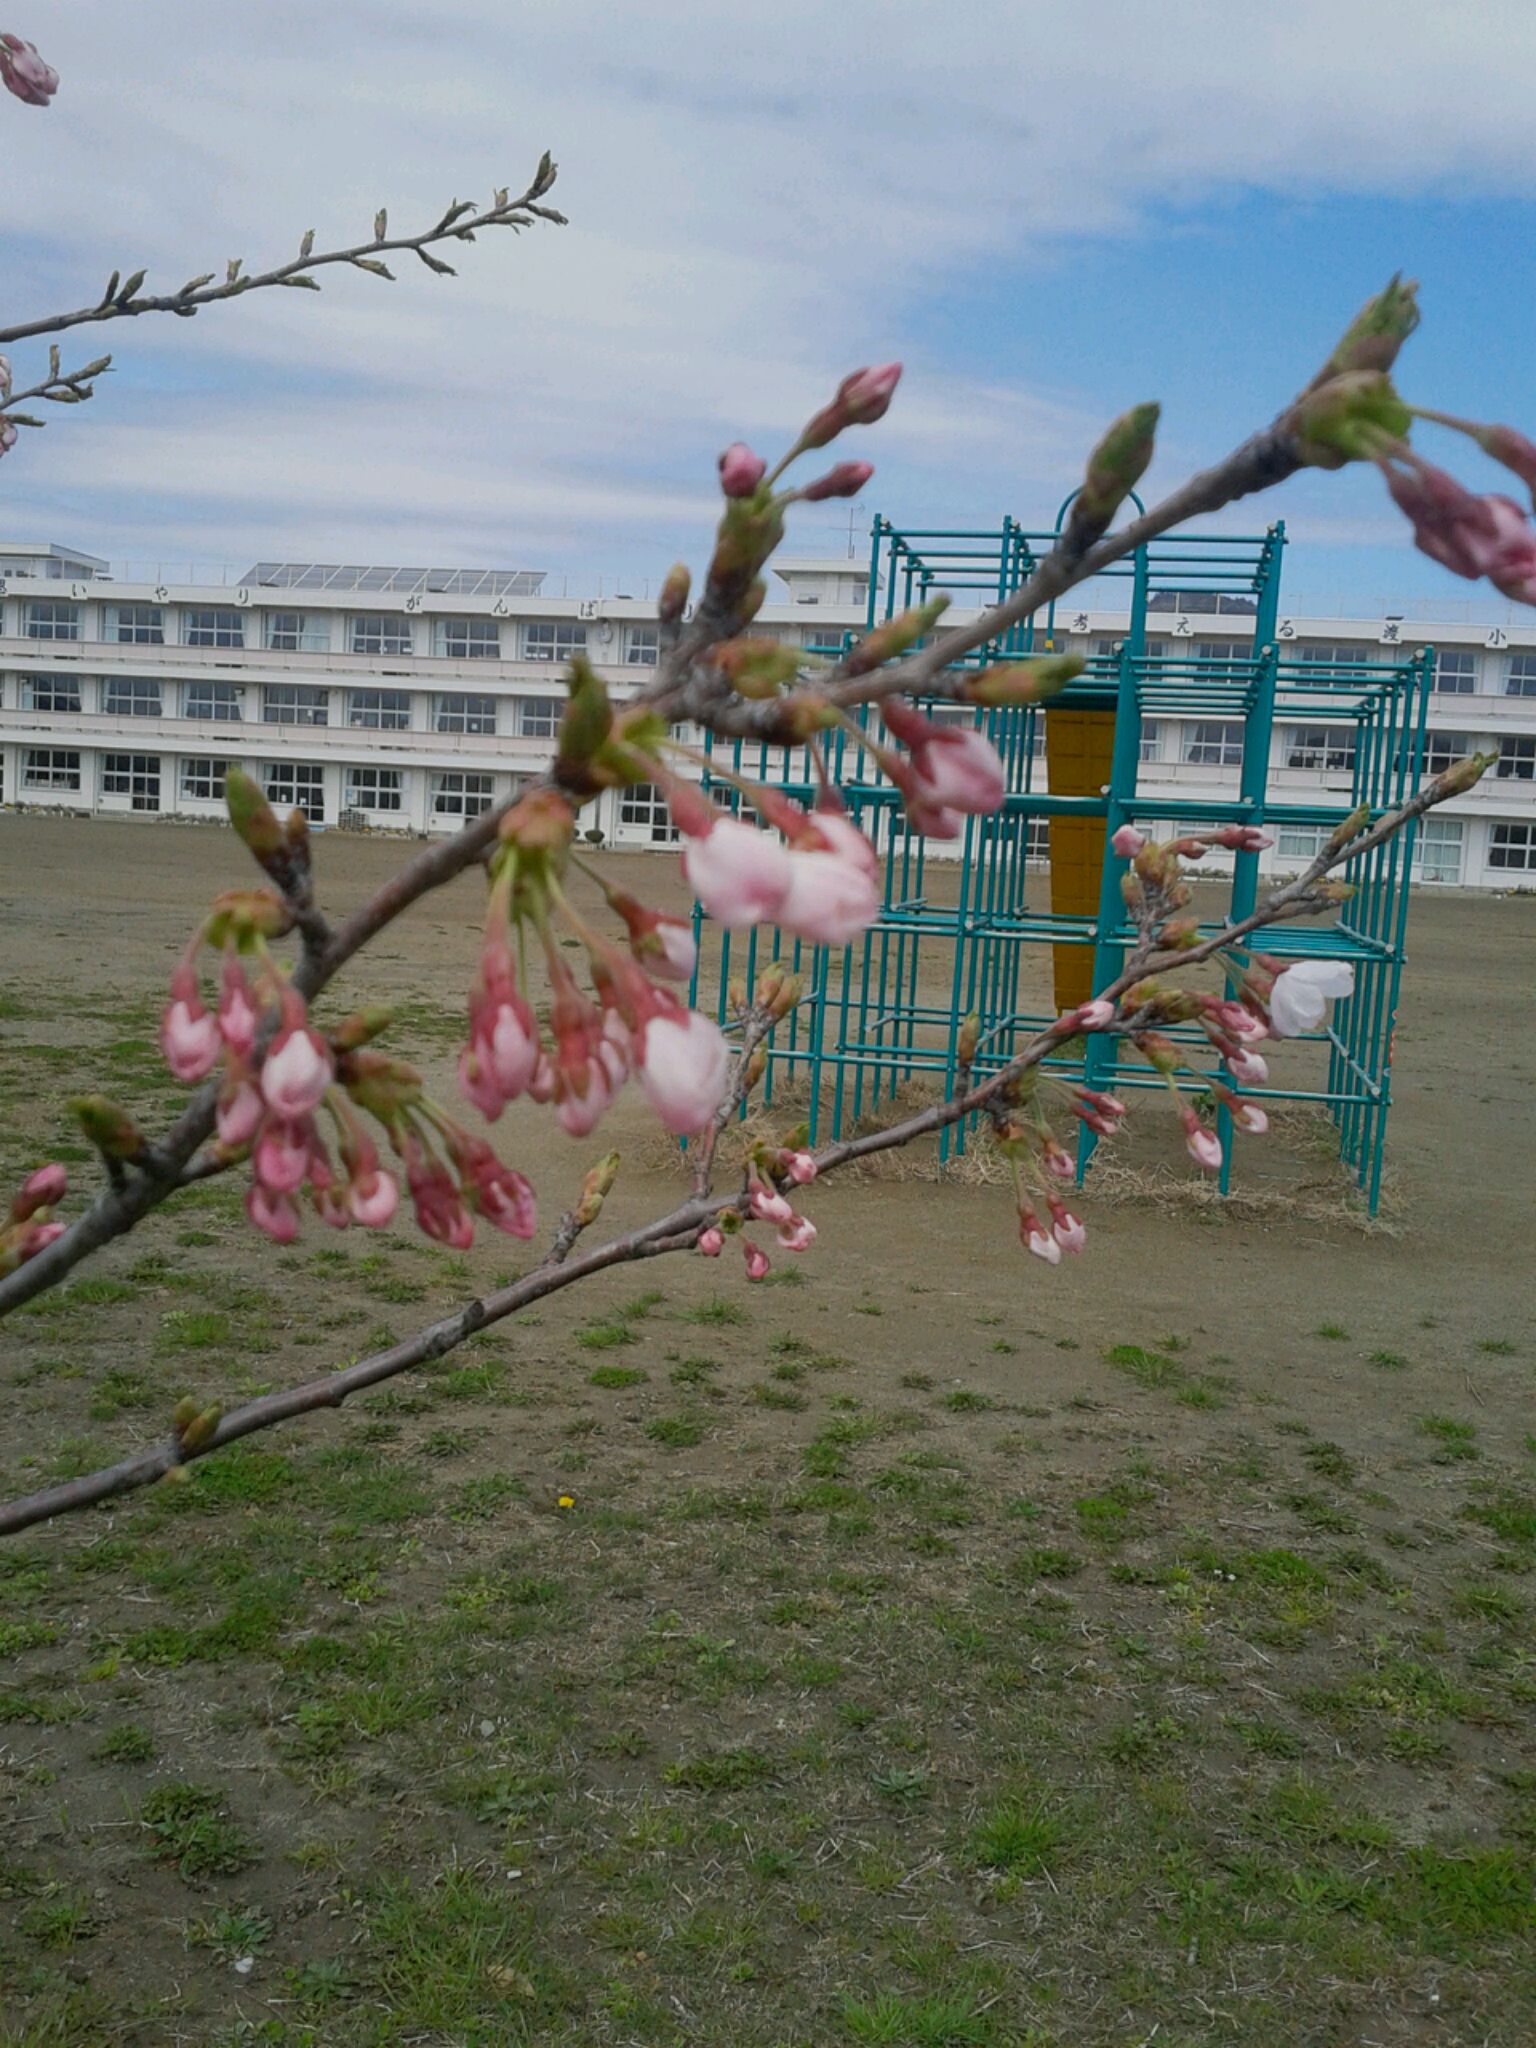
(1037, 839)
(205, 626)
(374, 789)
(50, 693)
(202, 781)
(467, 639)
(298, 785)
(458, 712)
(1517, 759)
(44, 620)
(1437, 852)
(379, 710)
(547, 640)
(50, 768)
(382, 633)
(211, 700)
(1151, 740)
(1329, 747)
(130, 697)
(1512, 846)
(538, 718)
(295, 704)
(135, 625)
(1214, 743)
(1333, 655)
(642, 646)
(1441, 749)
(1520, 677)
(1455, 673)
(643, 807)
(461, 796)
(135, 776)
(1300, 844)
(1222, 650)
(298, 633)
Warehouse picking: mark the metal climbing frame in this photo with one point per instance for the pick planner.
(958, 936)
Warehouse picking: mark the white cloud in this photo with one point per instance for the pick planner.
(757, 199)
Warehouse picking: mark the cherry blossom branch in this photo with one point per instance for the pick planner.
(679, 1229)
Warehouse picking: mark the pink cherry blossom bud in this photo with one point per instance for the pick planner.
(280, 1160)
(238, 1015)
(299, 1066)
(801, 1168)
(1250, 1068)
(846, 480)
(1238, 1021)
(1249, 1117)
(373, 1201)
(273, 1213)
(952, 768)
(836, 833)
(684, 1063)
(1057, 1160)
(43, 1188)
(739, 875)
(1067, 1229)
(798, 1234)
(757, 1259)
(579, 1109)
(740, 470)
(1095, 1015)
(1037, 1239)
(1203, 1146)
(189, 1037)
(478, 1085)
(501, 1194)
(24, 72)
(239, 1113)
(829, 900)
(37, 1237)
(1127, 842)
(866, 394)
(673, 952)
(7, 437)
(711, 1242)
(766, 1204)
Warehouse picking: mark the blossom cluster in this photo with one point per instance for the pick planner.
(771, 1172)
(278, 1077)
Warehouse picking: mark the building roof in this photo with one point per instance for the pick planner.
(355, 576)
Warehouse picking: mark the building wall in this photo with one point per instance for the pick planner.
(408, 712)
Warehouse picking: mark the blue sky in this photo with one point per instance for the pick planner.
(1047, 213)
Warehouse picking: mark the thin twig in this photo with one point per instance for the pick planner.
(122, 301)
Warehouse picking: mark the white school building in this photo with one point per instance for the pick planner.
(409, 699)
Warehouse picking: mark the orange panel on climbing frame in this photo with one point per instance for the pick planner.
(1078, 747)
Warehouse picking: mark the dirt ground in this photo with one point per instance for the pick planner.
(936, 1648)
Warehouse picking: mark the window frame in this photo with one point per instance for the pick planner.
(480, 800)
(530, 713)
(143, 631)
(133, 687)
(476, 723)
(298, 714)
(54, 685)
(273, 774)
(378, 717)
(55, 778)
(1518, 750)
(475, 627)
(306, 637)
(234, 715)
(566, 638)
(62, 613)
(1527, 845)
(216, 769)
(395, 633)
(142, 775)
(1190, 741)
(384, 799)
(1465, 683)
(224, 630)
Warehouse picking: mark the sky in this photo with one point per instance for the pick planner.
(1046, 211)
